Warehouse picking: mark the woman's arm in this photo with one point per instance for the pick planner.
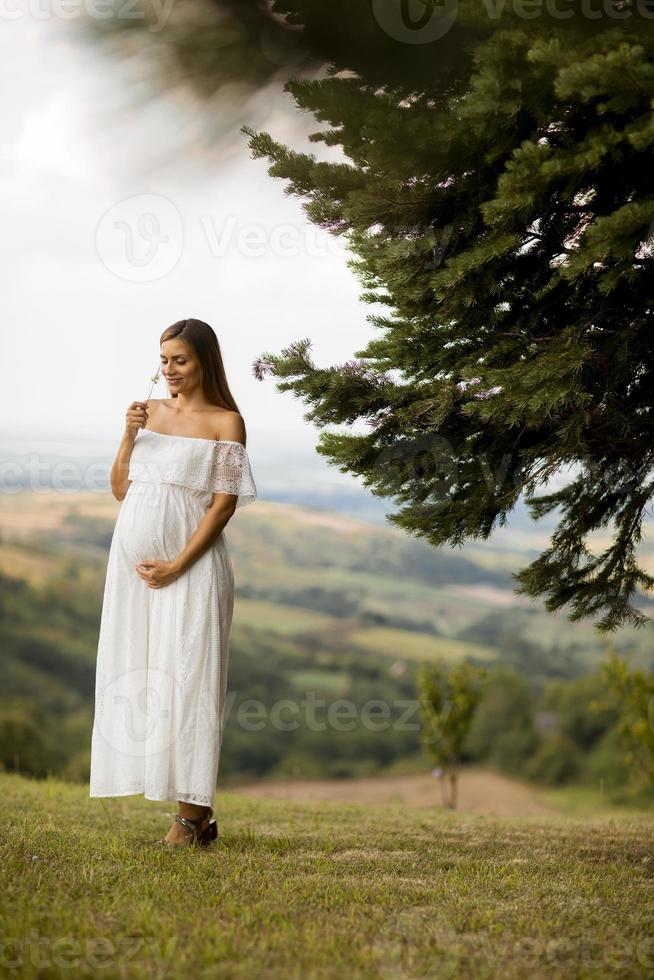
(119, 481)
(136, 417)
(223, 506)
(211, 525)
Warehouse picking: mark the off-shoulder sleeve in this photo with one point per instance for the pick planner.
(231, 472)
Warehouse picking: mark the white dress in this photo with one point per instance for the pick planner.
(161, 670)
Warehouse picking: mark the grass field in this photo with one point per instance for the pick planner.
(319, 889)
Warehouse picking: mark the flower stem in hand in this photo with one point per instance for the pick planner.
(153, 378)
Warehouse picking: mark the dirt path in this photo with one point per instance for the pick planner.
(479, 791)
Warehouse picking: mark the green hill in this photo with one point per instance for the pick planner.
(325, 604)
(318, 891)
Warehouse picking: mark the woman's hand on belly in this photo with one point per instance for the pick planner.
(156, 573)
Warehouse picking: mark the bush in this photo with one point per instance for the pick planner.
(512, 748)
(21, 745)
(582, 708)
(502, 730)
(606, 763)
(556, 761)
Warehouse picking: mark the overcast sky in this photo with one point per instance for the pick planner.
(115, 226)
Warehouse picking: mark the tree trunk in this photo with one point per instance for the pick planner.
(453, 788)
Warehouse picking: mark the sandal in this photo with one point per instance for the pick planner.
(203, 839)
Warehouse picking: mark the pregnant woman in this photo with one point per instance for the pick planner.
(181, 471)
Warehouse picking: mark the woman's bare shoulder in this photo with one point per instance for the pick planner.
(230, 425)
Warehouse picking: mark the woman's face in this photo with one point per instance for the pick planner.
(180, 367)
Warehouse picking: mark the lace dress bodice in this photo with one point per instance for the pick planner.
(209, 465)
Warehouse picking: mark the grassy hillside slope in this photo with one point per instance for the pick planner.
(319, 890)
(322, 580)
(325, 604)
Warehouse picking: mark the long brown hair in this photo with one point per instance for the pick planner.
(202, 338)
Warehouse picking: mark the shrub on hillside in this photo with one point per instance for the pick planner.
(557, 760)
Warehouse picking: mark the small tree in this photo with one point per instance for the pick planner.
(634, 694)
(448, 699)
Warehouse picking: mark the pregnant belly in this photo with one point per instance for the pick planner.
(156, 521)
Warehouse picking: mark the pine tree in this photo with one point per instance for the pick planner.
(500, 206)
